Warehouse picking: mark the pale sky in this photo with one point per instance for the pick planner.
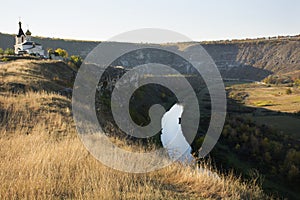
(197, 19)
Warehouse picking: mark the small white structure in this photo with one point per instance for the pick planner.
(24, 44)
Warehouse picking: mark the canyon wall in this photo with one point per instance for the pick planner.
(250, 60)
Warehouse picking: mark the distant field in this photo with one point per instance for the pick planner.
(272, 98)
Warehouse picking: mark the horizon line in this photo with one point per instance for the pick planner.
(204, 40)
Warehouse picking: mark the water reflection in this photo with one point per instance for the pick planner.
(172, 138)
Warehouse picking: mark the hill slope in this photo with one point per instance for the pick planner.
(35, 75)
(42, 157)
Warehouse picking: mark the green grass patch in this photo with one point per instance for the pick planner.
(263, 103)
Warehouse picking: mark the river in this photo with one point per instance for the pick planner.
(172, 137)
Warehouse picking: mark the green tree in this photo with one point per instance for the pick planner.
(50, 51)
(1, 51)
(237, 147)
(244, 137)
(9, 51)
(293, 173)
(292, 156)
(267, 157)
(61, 52)
(254, 145)
(76, 60)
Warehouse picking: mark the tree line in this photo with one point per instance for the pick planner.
(8, 51)
(73, 60)
(275, 155)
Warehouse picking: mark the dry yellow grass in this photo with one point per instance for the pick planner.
(36, 75)
(42, 158)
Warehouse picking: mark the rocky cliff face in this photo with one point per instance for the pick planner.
(231, 66)
(255, 60)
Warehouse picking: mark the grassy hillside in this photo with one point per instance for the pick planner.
(29, 75)
(42, 157)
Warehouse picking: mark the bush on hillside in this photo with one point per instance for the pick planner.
(275, 79)
(9, 51)
(61, 52)
(4, 59)
(297, 82)
(76, 60)
(288, 91)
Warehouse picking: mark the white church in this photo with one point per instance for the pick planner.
(24, 44)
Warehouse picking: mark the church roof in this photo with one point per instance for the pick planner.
(31, 43)
(20, 30)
